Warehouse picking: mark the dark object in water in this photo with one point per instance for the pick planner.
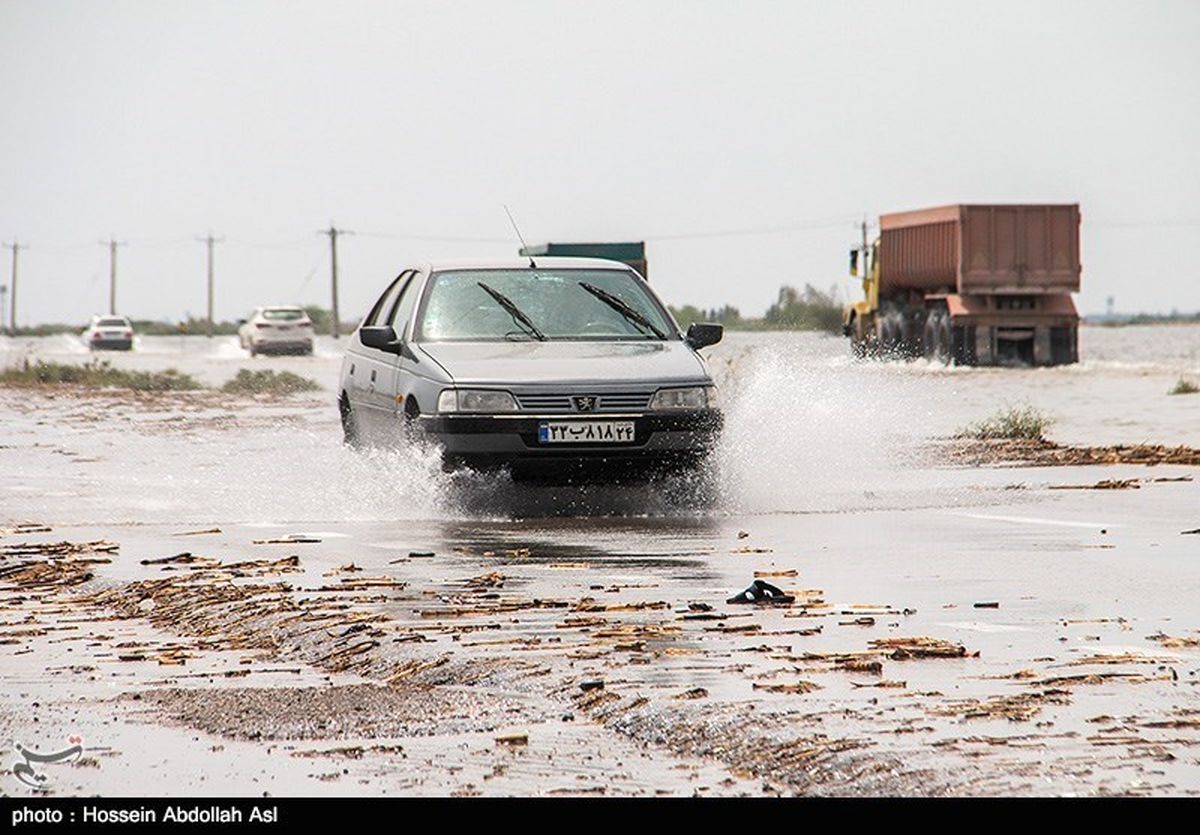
(762, 592)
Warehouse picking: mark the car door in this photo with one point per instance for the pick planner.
(376, 378)
(400, 383)
(362, 365)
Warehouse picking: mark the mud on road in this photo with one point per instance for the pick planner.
(495, 658)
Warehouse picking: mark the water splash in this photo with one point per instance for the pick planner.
(807, 430)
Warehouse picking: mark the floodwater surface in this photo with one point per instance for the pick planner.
(1058, 647)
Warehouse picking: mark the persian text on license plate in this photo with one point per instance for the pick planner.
(586, 432)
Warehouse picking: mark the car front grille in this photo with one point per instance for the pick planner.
(564, 404)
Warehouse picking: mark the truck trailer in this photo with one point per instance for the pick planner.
(970, 285)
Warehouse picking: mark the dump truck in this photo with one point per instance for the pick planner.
(970, 285)
(633, 253)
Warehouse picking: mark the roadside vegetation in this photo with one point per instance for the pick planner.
(809, 309)
(268, 382)
(1184, 386)
(1118, 320)
(1022, 423)
(101, 374)
(96, 374)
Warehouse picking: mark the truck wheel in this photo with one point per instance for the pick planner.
(908, 331)
(929, 336)
(860, 339)
(887, 334)
(897, 342)
(943, 340)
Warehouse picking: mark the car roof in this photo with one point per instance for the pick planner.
(558, 262)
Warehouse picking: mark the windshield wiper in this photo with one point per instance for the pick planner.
(621, 307)
(515, 312)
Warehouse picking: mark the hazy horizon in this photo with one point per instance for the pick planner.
(743, 142)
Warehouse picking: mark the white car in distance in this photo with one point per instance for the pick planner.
(109, 333)
(277, 330)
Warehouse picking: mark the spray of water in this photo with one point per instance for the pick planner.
(807, 430)
(811, 432)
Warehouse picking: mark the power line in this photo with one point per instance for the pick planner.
(435, 238)
(1147, 224)
(291, 242)
(829, 223)
(808, 226)
(160, 243)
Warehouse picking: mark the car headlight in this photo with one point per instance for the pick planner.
(475, 400)
(697, 397)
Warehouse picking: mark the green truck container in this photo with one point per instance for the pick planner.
(633, 254)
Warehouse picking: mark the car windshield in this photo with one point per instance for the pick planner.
(285, 314)
(109, 322)
(535, 304)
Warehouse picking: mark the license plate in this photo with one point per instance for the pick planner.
(586, 432)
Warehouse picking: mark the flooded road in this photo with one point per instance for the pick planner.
(282, 614)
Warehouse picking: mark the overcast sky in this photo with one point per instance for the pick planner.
(156, 121)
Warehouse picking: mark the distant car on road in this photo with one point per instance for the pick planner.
(109, 333)
(545, 369)
(277, 330)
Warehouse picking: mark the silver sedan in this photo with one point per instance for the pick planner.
(550, 367)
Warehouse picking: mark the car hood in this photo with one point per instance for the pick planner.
(535, 363)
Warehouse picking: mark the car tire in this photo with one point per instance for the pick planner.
(350, 433)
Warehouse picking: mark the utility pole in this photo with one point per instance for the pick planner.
(333, 233)
(16, 247)
(112, 244)
(209, 241)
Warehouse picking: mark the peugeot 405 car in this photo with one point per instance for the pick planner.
(542, 367)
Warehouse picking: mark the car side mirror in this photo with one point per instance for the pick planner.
(702, 334)
(381, 337)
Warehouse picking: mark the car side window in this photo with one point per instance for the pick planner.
(386, 301)
(403, 309)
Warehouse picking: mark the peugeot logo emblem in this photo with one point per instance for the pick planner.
(585, 403)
